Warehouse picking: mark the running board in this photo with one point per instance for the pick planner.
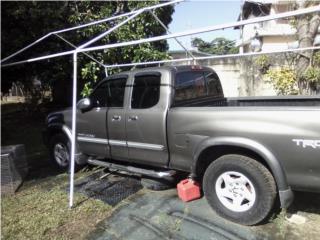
(139, 171)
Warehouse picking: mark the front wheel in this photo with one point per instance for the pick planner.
(60, 153)
(240, 189)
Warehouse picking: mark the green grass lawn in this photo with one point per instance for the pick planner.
(39, 210)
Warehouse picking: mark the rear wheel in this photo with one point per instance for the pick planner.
(240, 189)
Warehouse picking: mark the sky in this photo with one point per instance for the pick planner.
(197, 13)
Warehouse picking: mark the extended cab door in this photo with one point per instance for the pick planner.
(146, 118)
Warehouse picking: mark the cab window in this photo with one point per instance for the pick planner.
(189, 85)
(146, 91)
(110, 93)
(196, 84)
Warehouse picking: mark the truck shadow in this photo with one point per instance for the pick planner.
(305, 202)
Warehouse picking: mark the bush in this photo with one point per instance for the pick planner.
(284, 80)
(312, 77)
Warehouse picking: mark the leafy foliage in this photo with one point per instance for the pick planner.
(89, 74)
(283, 80)
(218, 46)
(316, 59)
(263, 62)
(23, 22)
(312, 75)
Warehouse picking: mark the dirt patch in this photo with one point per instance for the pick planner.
(306, 205)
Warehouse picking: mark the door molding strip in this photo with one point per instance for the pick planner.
(146, 146)
(93, 140)
(120, 143)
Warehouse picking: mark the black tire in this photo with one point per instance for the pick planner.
(62, 142)
(156, 184)
(257, 183)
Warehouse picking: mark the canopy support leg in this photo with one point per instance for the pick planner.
(73, 140)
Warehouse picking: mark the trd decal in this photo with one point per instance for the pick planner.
(307, 143)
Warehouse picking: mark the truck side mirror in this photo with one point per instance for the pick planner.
(84, 104)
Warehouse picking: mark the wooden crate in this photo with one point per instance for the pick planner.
(14, 168)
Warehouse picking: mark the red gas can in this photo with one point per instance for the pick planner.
(188, 190)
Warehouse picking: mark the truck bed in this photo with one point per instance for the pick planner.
(253, 101)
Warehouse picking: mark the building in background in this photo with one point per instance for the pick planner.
(276, 34)
(180, 54)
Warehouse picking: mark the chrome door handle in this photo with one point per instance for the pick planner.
(116, 118)
(133, 118)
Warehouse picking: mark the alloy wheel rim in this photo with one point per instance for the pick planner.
(61, 154)
(235, 191)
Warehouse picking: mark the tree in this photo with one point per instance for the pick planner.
(307, 29)
(218, 46)
(23, 22)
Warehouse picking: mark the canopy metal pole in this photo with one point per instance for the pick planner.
(73, 140)
(27, 47)
(110, 30)
(74, 46)
(106, 71)
(119, 16)
(207, 29)
(87, 25)
(80, 47)
(214, 57)
(180, 34)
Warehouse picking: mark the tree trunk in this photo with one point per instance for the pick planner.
(306, 32)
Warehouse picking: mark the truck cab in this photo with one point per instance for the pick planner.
(126, 115)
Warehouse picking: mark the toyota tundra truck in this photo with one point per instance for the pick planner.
(247, 153)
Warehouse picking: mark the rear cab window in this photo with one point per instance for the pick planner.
(195, 84)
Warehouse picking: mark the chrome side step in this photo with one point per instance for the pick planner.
(138, 171)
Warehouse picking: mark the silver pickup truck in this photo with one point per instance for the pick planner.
(158, 122)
